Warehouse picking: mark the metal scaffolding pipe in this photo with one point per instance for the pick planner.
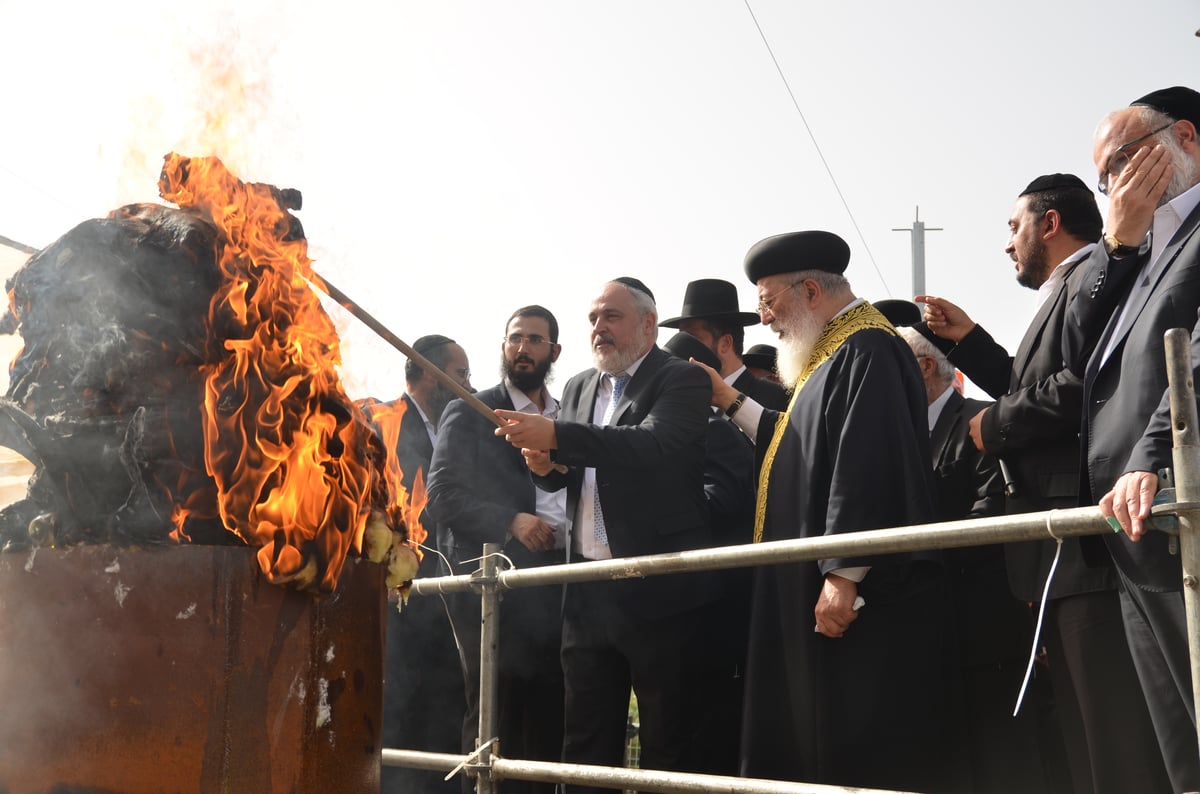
(646, 780)
(1185, 455)
(953, 534)
(489, 670)
(649, 780)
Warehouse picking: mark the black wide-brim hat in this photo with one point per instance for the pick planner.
(711, 299)
(685, 346)
(761, 357)
(796, 251)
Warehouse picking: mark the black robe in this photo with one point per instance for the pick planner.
(870, 708)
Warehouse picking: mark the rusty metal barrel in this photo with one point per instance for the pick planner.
(181, 669)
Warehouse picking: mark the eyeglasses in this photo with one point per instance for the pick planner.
(765, 304)
(530, 340)
(1120, 159)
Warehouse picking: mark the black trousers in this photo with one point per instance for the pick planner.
(1106, 727)
(608, 648)
(423, 699)
(529, 677)
(1156, 627)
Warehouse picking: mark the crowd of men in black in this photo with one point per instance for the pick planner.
(885, 671)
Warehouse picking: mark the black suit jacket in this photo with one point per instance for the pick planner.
(414, 447)
(1124, 392)
(1034, 428)
(968, 482)
(991, 626)
(649, 473)
(766, 393)
(478, 482)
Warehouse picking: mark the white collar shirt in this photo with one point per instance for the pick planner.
(551, 506)
(584, 541)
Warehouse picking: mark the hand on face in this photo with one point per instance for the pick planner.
(1135, 193)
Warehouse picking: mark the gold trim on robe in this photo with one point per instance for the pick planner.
(836, 332)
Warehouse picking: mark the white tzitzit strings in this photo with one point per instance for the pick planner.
(1037, 632)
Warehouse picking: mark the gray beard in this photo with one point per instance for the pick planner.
(1183, 172)
(616, 362)
(797, 346)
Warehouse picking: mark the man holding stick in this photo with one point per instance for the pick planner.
(631, 433)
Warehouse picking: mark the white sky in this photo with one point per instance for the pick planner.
(460, 159)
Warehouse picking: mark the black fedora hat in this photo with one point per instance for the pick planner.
(685, 346)
(761, 357)
(711, 299)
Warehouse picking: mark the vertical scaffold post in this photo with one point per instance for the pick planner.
(1186, 462)
(489, 643)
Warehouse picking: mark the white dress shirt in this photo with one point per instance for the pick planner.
(551, 506)
(584, 541)
(1167, 220)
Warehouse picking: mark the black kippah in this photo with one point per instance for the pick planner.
(427, 343)
(1055, 182)
(634, 283)
(1178, 102)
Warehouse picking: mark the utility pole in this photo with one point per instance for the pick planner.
(918, 252)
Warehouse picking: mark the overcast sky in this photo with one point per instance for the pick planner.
(460, 159)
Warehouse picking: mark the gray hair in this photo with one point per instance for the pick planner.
(828, 282)
(923, 347)
(644, 303)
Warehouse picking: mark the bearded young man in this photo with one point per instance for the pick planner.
(1144, 280)
(848, 680)
(480, 491)
(631, 435)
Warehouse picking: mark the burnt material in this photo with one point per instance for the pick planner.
(181, 669)
(105, 397)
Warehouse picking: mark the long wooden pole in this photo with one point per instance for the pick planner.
(347, 303)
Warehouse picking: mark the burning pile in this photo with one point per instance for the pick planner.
(179, 382)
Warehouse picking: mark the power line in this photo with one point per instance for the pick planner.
(817, 146)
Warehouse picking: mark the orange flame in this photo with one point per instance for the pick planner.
(403, 510)
(288, 452)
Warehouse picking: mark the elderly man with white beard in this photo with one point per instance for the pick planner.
(1144, 280)
(848, 681)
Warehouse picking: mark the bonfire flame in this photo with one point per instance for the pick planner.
(290, 455)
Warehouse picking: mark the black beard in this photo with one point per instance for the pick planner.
(1036, 270)
(527, 380)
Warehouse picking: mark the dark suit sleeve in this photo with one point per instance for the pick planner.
(1051, 408)
(984, 361)
(1104, 284)
(459, 460)
(680, 396)
(728, 477)
(1154, 450)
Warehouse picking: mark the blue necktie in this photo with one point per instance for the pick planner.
(619, 383)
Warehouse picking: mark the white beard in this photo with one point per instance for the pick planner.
(1183, 171)
(796, 345)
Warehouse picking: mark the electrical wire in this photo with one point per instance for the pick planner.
(837, 188)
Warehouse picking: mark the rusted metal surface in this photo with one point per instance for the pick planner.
(180, 669)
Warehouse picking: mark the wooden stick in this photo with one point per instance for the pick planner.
(351, 306)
